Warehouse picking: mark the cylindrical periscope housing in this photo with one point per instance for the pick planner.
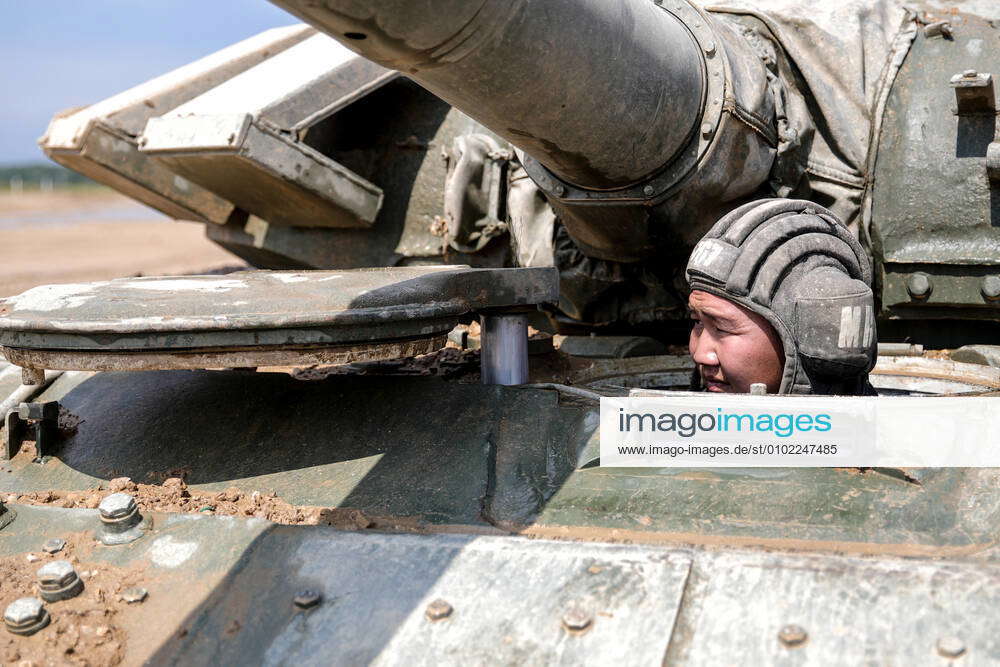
(602, 93)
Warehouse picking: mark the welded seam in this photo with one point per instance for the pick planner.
(677, 642)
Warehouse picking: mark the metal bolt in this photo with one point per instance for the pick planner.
(56, 573)
(970, 74)
(758, 389)
(55, 545)
(710, 49)
(117, 506)
(438, 610)
(792, 635)
(120, 518)
(558, 190)
(648, 190)
(58, 581)
(134, 594)
(577, 620)
(991, 288)
(950, 647)
(706, 129)
(307, 599)
(919, 285)
(26, 616)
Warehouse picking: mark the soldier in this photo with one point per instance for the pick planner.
(781, 295)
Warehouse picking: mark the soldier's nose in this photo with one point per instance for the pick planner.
(707, 359)
(703, 353)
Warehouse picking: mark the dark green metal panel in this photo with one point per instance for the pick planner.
(390, 446)
(445, 452)
(935, 211)
(223, 590)
(838, 509)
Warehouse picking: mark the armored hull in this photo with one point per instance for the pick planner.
(358, 455)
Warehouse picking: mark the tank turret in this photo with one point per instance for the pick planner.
(606, 138)
(643, 122)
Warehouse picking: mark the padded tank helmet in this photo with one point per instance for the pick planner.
(797, 265)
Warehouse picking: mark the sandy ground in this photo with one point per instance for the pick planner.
(95, 234)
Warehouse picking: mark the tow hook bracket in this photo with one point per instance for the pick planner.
(42, 417)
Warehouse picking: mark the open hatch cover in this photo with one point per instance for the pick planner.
(257, 318)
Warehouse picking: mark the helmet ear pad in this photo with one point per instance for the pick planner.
(833, 322)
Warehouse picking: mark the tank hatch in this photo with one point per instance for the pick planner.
(259, 318)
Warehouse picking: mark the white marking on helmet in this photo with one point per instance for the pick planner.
(869, 326)
(705, 253)
(856, 327)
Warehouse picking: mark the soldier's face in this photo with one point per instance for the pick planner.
(733, 347)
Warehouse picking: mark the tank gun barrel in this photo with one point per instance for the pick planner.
(602, 93)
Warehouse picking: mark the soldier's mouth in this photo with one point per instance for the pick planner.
(713, 384)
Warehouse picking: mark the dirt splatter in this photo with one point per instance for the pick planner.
(159, 477)
(27, 450)
(84, 630)
(448, 362)
(173, 495)
(69, 423)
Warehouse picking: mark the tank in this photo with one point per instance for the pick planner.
(467, 222)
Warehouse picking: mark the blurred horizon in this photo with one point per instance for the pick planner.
(77, 54)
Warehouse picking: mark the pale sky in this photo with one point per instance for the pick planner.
(65, 53)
